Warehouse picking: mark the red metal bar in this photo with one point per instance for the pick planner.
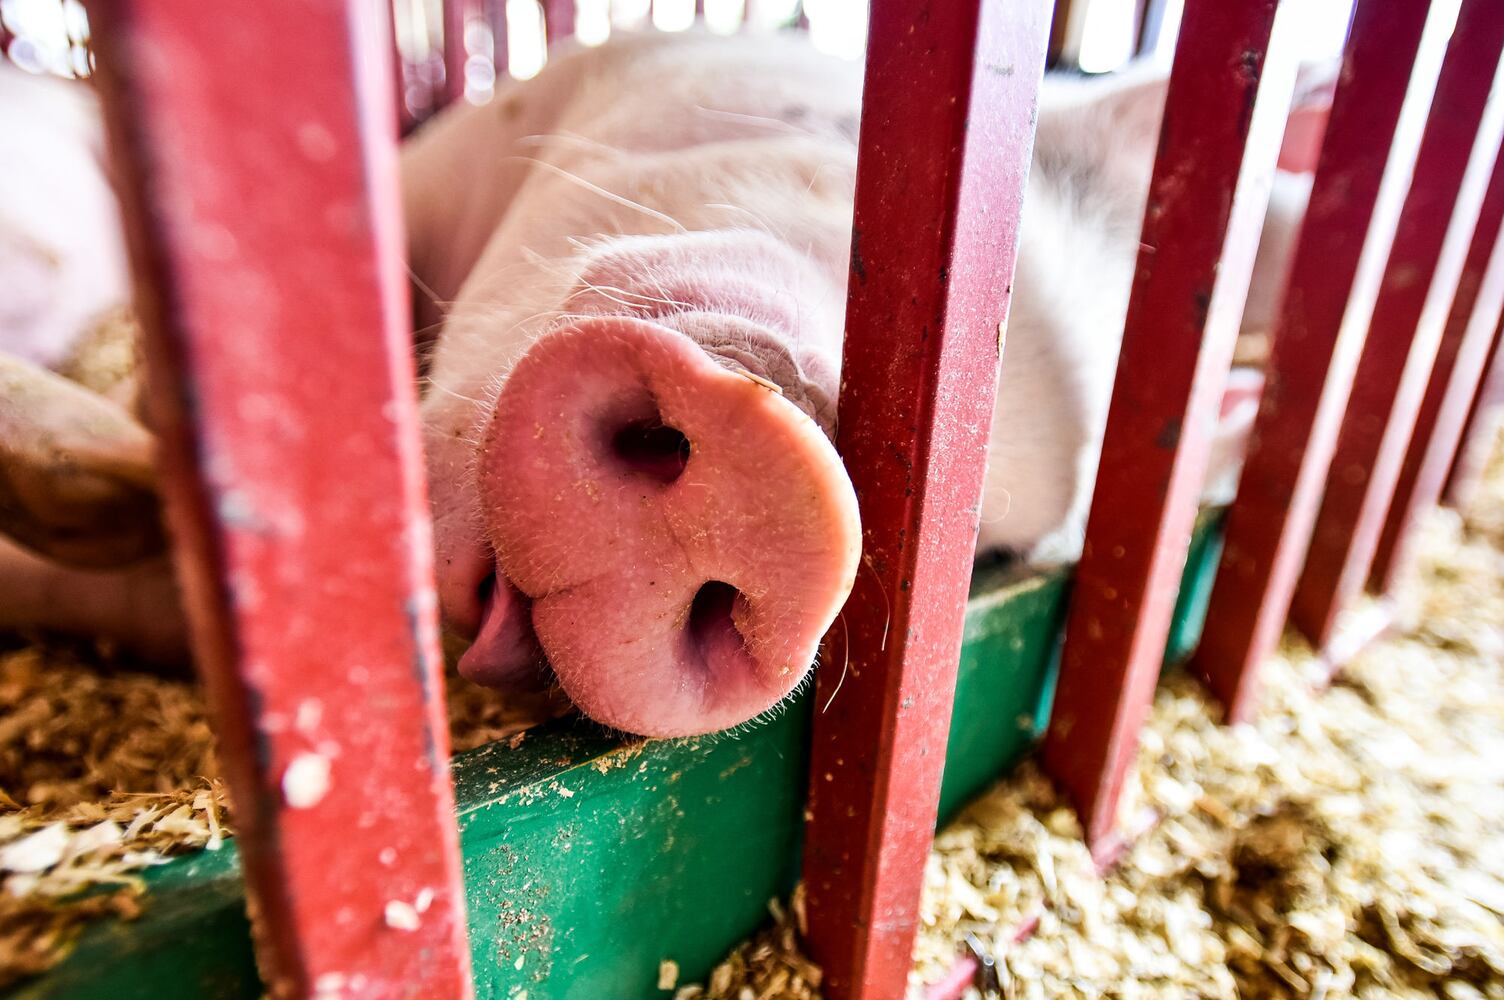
(1401, 341)
(1455, 377)
(495, 12)
(947, 131)
(558, 20)
(1478, 425)
(406, 120)
(1307, 377)
(457, 14)
(1224, 115)
(455, 52)
(266, 242)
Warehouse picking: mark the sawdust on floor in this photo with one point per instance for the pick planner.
(1349, 843)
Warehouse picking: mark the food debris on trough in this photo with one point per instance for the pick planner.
(1350, 842)
(104, 772)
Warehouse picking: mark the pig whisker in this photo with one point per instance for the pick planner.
(605, 292)
(423, 287)
(647, 301)
(770, 386)
(610, 196)
(887, 605)
(567, 138)
(739, 116)
(451, 392)
(846, 662)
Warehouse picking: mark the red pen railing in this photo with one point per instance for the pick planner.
(255, 342)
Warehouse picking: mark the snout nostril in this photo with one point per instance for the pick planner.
(711, 609)
(652, 448)
(711, 629)
(484, 589)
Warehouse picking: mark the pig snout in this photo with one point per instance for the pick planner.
(678, 533)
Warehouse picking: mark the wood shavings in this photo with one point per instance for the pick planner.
(1349, 843)
(769, 966)
(106, 359)
(105, 771)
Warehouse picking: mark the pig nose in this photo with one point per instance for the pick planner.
(686, 536)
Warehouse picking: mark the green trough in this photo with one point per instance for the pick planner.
(589, 862)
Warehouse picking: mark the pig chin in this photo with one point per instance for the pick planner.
(679, 534)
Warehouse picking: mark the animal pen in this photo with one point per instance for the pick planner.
(257, 164)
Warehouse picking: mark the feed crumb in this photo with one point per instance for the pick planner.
(668, 974)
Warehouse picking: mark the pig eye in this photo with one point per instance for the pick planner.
(652, 448)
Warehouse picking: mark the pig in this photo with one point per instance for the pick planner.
(631, 399)
(81, 545)
(629, 319)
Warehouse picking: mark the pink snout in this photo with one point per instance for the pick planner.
(684, 535)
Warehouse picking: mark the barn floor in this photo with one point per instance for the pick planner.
(1349, 843)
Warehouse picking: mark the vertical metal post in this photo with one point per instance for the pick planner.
(1402, 334)
(457, 14)
(495, 12)
(558, 19)
(946, 137)
(1307, 377)
(1454, 381)
(1228, 98)
(258, 171)
(1478, 424)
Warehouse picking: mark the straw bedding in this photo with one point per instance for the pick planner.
(1350, 842)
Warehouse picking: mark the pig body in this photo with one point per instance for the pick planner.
(717, 210)
(630, 280)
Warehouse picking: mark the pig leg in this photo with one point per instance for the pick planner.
(76, 476)
(137, 607)
(685, 534)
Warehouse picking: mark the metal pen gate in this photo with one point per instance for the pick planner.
(271, 325)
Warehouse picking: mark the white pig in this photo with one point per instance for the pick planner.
(631, 277)
(611, 480)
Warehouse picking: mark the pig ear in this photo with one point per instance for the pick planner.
(1314, 86)
(77, 482)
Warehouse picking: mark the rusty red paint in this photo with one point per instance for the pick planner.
(1477, 432)
(1224, 116)
(1455, 376)
(946, 135)
(1401, 340)
(266, 241)
(1269, 524)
